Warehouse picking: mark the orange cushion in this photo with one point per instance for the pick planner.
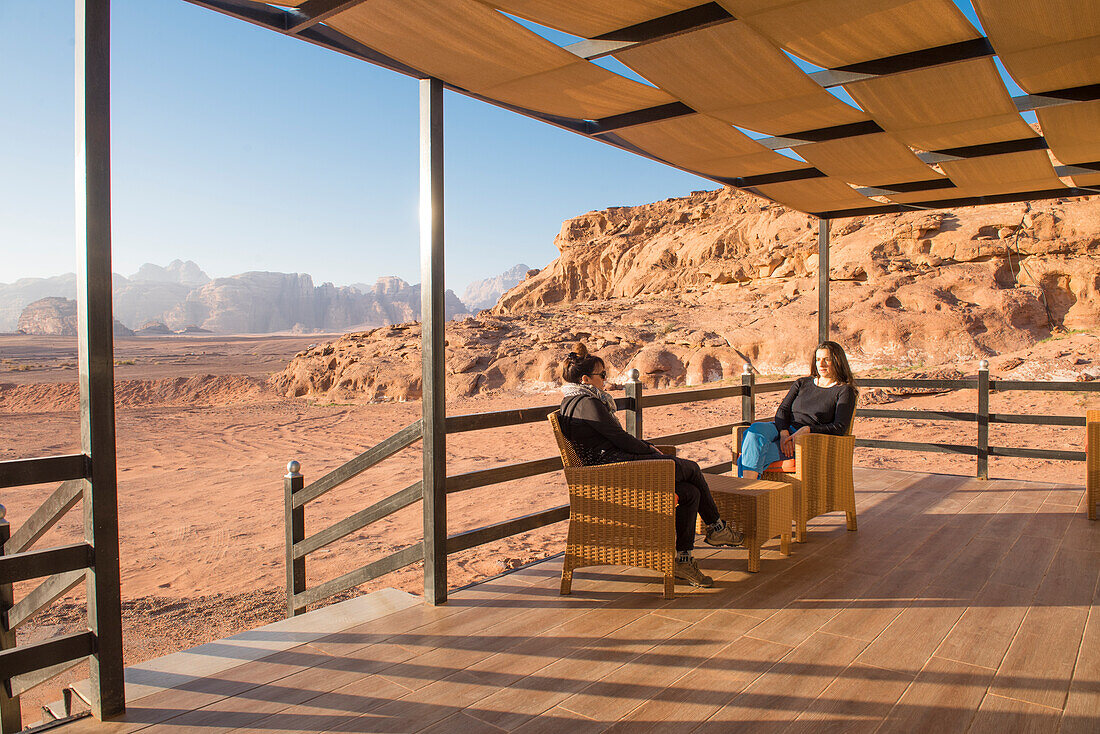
(785, 466)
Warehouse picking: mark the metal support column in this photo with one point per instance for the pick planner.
(748, 395)
(96, 348)
(433, 429)
(822, 280)
(983, 420)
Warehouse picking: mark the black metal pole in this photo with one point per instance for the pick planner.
(294, 521)
(983, 420)
(748, 395)
(431, 340)
(11, 717)
(96, 349)
(822, 280)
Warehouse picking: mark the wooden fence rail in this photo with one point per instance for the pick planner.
(632, 406)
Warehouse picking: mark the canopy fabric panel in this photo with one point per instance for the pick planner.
(1089, 180)
(942, 107)
(1045, 44)
(733, 73)
(816, 195)
(707, 145)
(833, 34)
(914, 197)
(1073, 131)
(588, 19)
(730, 67)
(580, 90)
(461, 42)
(472, 46)
(869, 160)
(1002, 174)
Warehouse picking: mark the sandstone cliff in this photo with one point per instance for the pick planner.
(261, 302)
(690, 290)
(184, 273)
(181, 295)
(14, 297)
(908, 288)
(57, 317)
(53, 316)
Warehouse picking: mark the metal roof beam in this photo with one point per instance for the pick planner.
(673, 24)
(1023, 103)
(312, 12)
(1065, 193)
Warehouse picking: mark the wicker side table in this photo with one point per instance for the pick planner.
(761, 509)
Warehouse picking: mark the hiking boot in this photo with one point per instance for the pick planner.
(689, 571)
(726, 536)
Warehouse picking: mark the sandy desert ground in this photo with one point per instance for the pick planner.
(202, 446)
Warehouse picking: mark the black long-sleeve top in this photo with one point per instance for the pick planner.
(595, 434)
(821, 409)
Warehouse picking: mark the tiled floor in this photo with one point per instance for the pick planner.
(958, 606)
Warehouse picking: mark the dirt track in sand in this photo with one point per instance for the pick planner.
(200, 489)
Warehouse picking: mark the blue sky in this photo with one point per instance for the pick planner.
(242, 149)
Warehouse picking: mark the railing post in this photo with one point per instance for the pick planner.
(983, 419)
(295, 521)
(634, 411)
(11, 719)
(748, 395)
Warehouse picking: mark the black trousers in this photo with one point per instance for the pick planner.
(693, 497)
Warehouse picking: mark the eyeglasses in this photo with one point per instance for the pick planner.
(601, 375)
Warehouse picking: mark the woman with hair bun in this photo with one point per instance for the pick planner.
(587, 418)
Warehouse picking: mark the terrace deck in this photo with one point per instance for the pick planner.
(959, 606)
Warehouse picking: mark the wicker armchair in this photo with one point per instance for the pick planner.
(821, 477)
(1092, 460)
(619, 514)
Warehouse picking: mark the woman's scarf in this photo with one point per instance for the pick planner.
(571, 389)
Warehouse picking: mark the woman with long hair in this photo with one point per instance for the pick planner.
(824, 402)
(587, 418)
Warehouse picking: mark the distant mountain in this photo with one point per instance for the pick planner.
(182, 296)
(483, 294)
(56, 317)
(178, 271)
(14, 297)
(260, 302)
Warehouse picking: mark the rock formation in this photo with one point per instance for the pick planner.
(485, 293)
(181, 295)
(690, 290)
(906, 287)
(57, 317)
(177, 271)
(14, 297)
(49, 316)
(153, 328)
(260, 302)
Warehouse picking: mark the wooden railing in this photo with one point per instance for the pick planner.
(63, 567)
(297, 494)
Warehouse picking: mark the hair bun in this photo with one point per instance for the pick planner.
(580, 350)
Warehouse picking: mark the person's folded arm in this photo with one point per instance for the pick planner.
(784, 416)
(597, 417)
